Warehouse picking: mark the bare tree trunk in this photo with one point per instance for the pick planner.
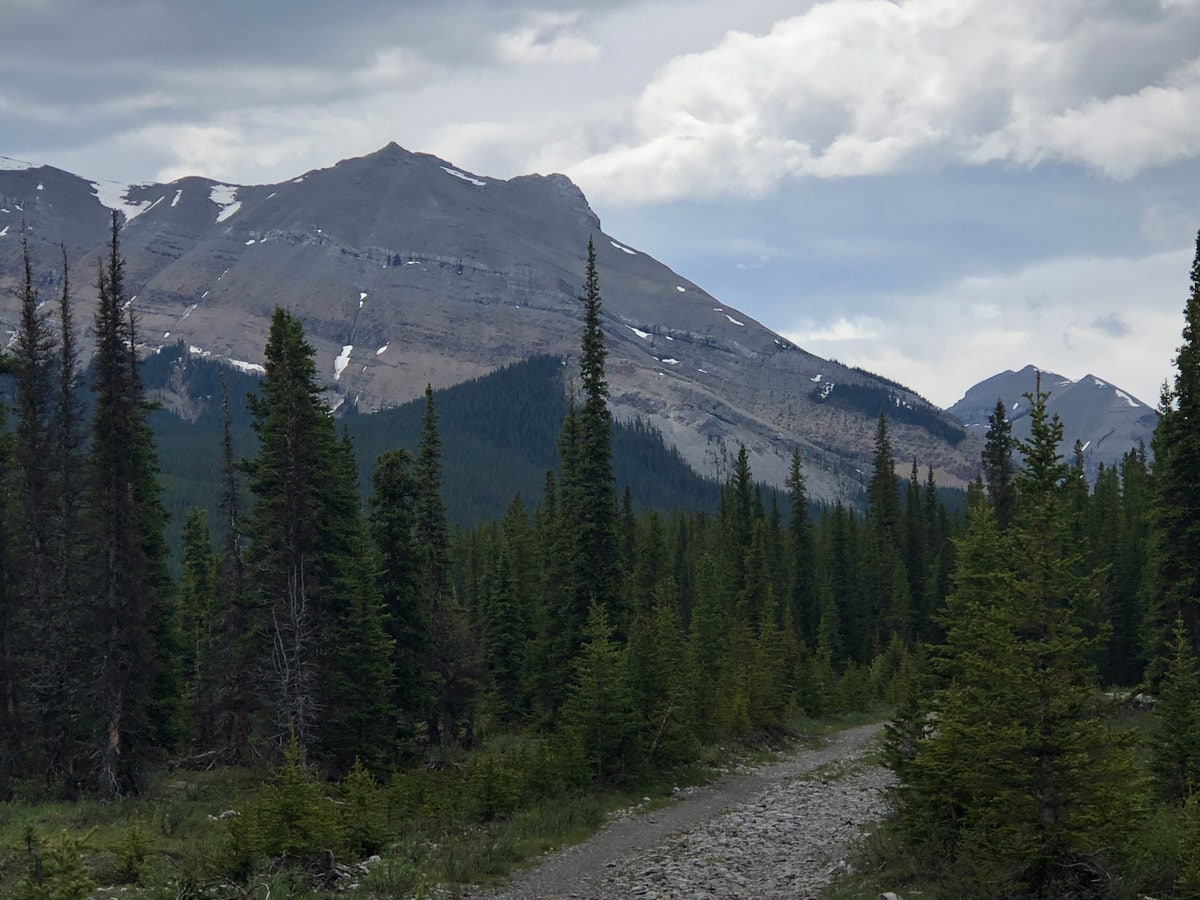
(293, 659)
(109, 779)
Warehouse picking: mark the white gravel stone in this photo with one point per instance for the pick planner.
(788, 839)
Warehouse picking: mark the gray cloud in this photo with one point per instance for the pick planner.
(841, 170)
(1113, 324)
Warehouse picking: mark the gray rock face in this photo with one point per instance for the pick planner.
(407, 270)
(1106, 420)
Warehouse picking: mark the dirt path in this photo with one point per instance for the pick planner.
(779, 830)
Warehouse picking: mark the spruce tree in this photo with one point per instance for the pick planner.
(1127, 649)
(431, 523)
(31, 553)
(201, 638)
(998, 470)
(238, 622)
(589, 499)
(1175, 737)
(393, 528)
(454, 661)
(289, 554)
(597, 720)
(707, 640)
(358, 689)
(1022, 784)
(1172, 586)
(33, 360)
(883, 521)
(805, 602)
(12, 668)
(63, 627)
(658, 690)
(130, 617)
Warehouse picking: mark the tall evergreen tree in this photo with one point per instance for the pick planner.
(131, 609)
(507, 626)
(597, 721)
(590, 504)
(1127, 650)
(1172, 586)
(359, 674)
(1022, 784)
(12, 666)
(453, 662)
(288, 558)
(393, 527)
(999, 472)
(1175, 737)
(199, 608)
(33, 361)
(32, 550)
(63, 626)
(238, 625)
(884, 530)
(431, 522)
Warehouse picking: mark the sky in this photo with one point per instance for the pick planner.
(935, 190)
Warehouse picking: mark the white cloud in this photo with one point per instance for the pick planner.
(867, 87)
(1167, 225)
(546, 38)
(1120, 319)
(841, 331)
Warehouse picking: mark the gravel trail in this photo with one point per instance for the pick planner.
(773, 831)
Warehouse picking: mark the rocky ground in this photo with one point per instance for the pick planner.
(773, 831)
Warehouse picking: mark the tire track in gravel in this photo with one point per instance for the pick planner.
(777, 830)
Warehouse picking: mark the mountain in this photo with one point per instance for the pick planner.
(1106, 420)
(406, 269)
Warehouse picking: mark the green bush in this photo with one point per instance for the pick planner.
(56, 870)
(363, 813)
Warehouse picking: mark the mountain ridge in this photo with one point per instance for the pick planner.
(407, 270)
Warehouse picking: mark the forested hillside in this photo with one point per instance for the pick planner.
(381, 681)
(499, 439)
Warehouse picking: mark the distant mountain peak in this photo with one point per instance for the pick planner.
(1105, 420)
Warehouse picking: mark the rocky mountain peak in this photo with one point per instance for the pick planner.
(407, 269)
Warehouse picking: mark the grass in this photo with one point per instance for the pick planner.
(168, 829)
(494, 811)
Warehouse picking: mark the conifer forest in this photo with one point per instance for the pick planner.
(338, 673)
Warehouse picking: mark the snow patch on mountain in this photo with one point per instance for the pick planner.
(248, 367)
(623, 248)
(644, 335)
(225, 196)
(114, 196)
(342, 360)
(8, 164)
(1124, 396)
(463, 176)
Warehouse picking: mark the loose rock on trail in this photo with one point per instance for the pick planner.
(773, 831)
